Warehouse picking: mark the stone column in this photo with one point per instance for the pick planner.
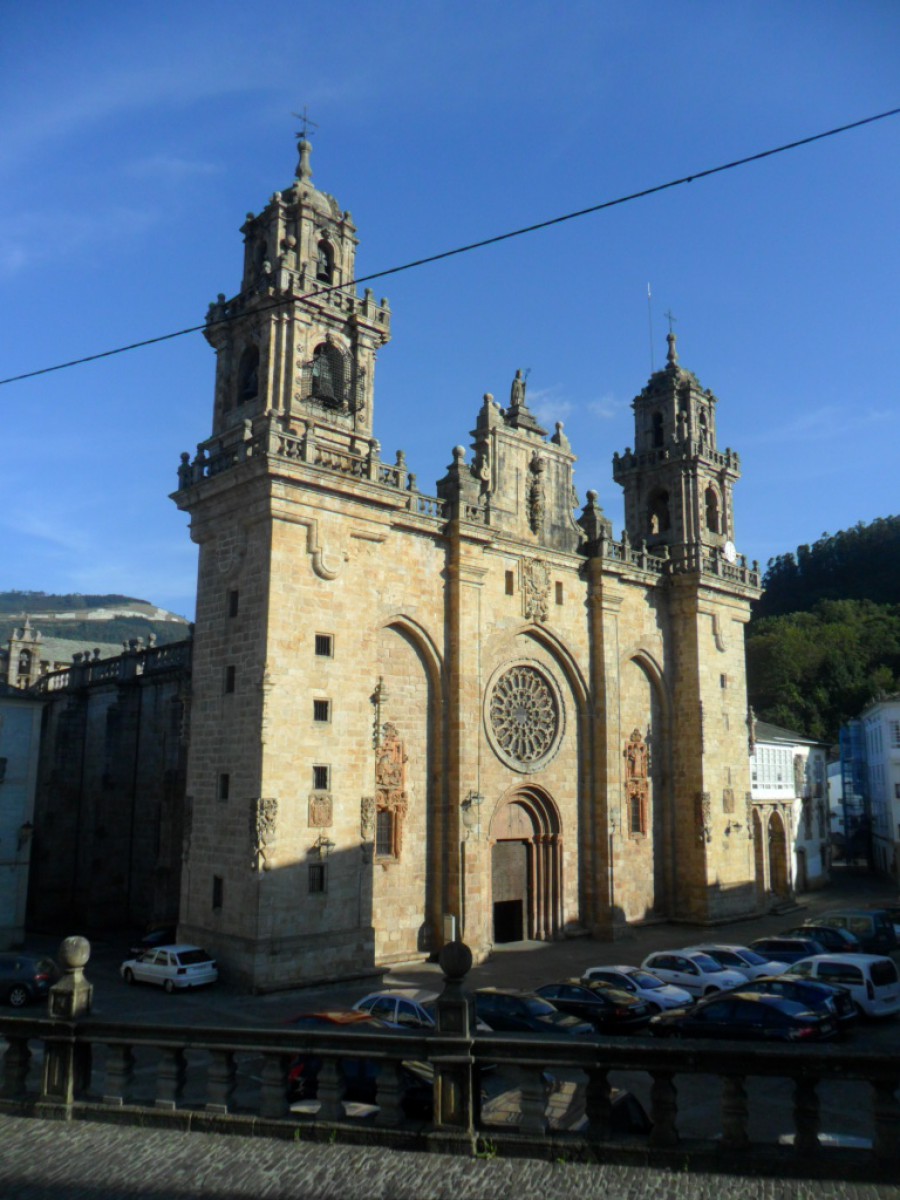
(67, 1062)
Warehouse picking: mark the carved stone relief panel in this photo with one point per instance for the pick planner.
(535, 589)
(320, 811)
(637, 783)
(262, 831)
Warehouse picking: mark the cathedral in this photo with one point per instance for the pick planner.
(471, 714)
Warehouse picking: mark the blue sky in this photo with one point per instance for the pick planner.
(136, 137)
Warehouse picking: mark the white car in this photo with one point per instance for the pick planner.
(741, 959)
(658, 995)
(177, 966)
(695, 972)
(871, 979)
(402, 1007)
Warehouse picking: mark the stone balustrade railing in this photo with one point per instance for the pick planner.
(238, 1079)
(135, 661)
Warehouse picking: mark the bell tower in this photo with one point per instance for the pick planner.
(678, 485)
(297, 343)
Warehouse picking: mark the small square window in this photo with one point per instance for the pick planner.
(230, 674)
(510, 583)
(317, 878)
(218, 890)
(224, 786)
(233, 602)
(324, 645)
(321, 778)
(321, 710)
(559, 593)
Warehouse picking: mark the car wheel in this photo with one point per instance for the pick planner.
(129, 975)
(18, 995)
(710, 991)
(169, 986)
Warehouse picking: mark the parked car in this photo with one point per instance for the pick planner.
(873, 927)
(893, 912)
(871, 979)
(696, 973)
(825, 996)
(511, 1011)
(742, 959)
(643, 984)
(609, 1010)
(402, 1009)
(172, 967)
(831, 938)
(747, 1016)
(159, 935)
(360, 1074)
(25, 978)
(787, 949)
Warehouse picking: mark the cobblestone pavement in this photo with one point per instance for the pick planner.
(51, 1160)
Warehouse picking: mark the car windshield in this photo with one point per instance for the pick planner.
(646, 981)
(539, 1008)
(706, 964)
(751, 957)
(189, 957)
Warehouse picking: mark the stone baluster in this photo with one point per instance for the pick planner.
(806, 1115)
(171, 1073)
(221, 1081)
(598, 1103)
(67, 1062)
(16, 1062)
(273, 1092)
(664, 1109)
(734, 1112)
(330, 1090)
(886, 1111)
(456, 1102)
(390, 1093)
(533, 1103)
(119, 1073)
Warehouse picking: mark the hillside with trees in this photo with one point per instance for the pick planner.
(108, 619)
(824, 639)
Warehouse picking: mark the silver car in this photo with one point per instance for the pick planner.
(171, 967)
(643, 984)
(697, 973)
(746, 962)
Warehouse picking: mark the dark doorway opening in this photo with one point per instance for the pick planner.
(509, 921)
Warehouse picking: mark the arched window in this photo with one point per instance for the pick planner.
(657, 429)
(328, 382)
(712, 511)
(658, 513)
(325, 262)
(248, 375)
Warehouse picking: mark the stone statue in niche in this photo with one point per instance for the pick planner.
(320, 811)
(262, 831)
(535, 590)
(367, 818)
(390, 780)
(637, 782)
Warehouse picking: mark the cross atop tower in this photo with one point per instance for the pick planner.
(308, 125)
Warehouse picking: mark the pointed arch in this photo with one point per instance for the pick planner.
(563, 657)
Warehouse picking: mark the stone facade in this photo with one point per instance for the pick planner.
(449, 703)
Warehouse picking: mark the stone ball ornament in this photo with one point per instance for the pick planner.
(74, 953)
(455, 960)
(524, 716)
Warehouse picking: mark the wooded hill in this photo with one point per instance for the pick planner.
(824, 638)
(113, 618)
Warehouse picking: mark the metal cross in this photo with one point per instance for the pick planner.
(307, 123)
(671, 318)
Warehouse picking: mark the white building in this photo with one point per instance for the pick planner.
(789, 810)
(881, 730)
(20, 731)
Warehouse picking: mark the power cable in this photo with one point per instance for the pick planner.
(491, 241)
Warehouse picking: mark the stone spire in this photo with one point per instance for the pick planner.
(304, 170)
(672, 356)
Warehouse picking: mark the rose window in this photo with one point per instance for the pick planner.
(524, 717)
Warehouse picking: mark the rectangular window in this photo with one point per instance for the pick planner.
(317, 878)
(324, 645)
(559, 593)
(321, 710)
(510, 583)
(217, 891)
(894, 727)
(233, 602)
(321, 778)
(723, 681)
(384, 833)
(230, 673)
(224, 786)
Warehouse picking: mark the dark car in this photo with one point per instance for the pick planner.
(159, 935)
(360, 1074)
(872, 927)
(610, 1010)
(820, 996)
(511, 1011)
(25, 978)
(787, 949)
(747, 1016)
(834, 939)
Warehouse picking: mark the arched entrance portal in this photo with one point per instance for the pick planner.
(779, 879)
(526, 868)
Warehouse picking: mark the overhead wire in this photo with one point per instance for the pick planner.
(479, 245)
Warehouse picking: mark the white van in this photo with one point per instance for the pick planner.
(871, 979)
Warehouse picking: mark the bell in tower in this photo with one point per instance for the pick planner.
(678, 485)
